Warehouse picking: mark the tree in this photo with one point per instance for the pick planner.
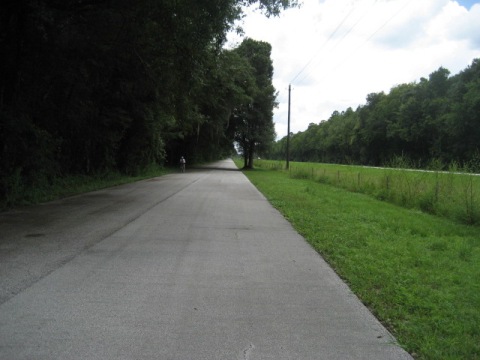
(434, 119)
(253, 122)
(463, 121)
(95, 86)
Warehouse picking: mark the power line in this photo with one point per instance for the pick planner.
(346, 34)
(368, 39)
(323, 45)
(386, 22)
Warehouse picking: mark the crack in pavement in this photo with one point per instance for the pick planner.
(248, 352)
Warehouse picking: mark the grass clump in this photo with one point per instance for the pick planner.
(417, 273)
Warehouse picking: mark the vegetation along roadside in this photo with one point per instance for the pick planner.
(417, 273)
(21, 194)
(453, 194)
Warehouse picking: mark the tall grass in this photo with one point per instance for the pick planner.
(454, 194)
(419, 274)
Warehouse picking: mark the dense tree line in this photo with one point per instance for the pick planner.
(433, 120)
(94, 86)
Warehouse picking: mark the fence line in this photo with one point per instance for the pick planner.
(446, 194)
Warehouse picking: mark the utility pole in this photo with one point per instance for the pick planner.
(288, 134)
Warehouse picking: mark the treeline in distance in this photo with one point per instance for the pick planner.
(88, 87)
(433, 121)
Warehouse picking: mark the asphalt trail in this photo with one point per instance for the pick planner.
(185, 266)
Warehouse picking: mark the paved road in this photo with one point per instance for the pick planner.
(186, 266)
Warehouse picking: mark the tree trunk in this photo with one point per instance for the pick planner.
(251, 151)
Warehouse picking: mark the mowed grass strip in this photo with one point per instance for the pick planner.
(454, 195)
(419, 274)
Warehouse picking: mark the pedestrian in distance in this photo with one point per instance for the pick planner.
(182, 164)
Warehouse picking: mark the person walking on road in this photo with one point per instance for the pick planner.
(182, 164)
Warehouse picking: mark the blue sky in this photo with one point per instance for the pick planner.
(468, 3)
(336, 52)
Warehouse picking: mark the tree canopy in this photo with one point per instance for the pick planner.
(94, 86)
(253, 119)
(433, 120)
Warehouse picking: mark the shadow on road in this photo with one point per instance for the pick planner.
(212, 167)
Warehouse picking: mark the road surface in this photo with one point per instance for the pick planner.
(186, 266)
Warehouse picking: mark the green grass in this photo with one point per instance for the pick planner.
(419, 274)
(453, 195)
(71, 185)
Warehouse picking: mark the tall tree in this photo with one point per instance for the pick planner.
(95, 86)
(254, 128)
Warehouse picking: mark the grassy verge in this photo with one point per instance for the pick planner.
(454, 194)
(72, 185)
(419, 274)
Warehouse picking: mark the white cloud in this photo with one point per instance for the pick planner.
(468, 26)
(353, 48)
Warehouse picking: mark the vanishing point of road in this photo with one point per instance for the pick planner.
(186, 266)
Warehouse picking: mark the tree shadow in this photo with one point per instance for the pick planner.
(212, 167)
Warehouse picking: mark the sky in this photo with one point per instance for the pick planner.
(334, 53)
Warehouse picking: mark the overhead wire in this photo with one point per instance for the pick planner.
(323, 45)
(344, 35)
(366, 40)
